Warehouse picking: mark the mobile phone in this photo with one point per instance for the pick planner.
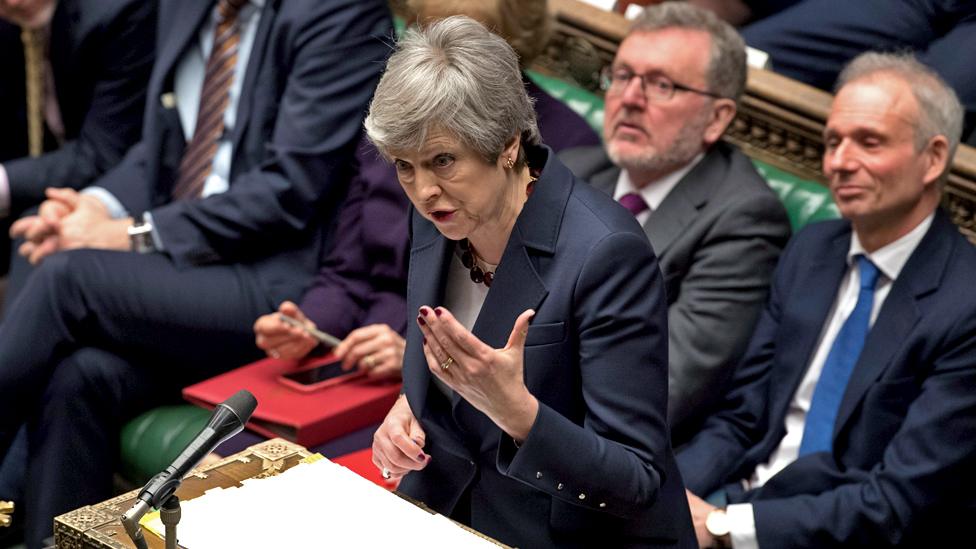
(318, 376)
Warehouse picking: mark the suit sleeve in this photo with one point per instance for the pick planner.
(927, 463)
(613, 461)
(720, 298)
(708, 461)
(335, 62)
(113, 122)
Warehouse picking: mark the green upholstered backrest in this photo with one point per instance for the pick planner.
(587, 105)
(805, 201)
(151, 441)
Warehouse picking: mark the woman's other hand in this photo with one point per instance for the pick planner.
(375, 349)
(398, 444)
(282, 340)
(490, 379)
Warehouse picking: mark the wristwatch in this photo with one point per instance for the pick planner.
(140, 237)
(717, 524)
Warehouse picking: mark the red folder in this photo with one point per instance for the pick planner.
(306, 418)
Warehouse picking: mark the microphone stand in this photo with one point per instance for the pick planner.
(170, 515)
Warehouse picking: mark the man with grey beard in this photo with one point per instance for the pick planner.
(715, 225)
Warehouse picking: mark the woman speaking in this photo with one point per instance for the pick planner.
(535, 376)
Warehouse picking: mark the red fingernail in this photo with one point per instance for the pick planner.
(425, 341)
(421, 457)
(424, 311)
(438, 311)
(421, 321)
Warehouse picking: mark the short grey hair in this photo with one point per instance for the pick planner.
(726, 72)
(940, 112)
(456, 77)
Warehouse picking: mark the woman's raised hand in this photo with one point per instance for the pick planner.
(490, 379)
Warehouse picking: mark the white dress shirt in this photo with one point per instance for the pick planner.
(187, 88)
(889, 260)
(654, 192)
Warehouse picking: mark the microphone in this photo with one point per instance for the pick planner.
(227, 420)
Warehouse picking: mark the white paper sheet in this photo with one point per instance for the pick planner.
(319, 504)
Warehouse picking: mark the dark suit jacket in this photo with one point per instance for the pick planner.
(311, 72)
(717, 236)
(596, 468)
(101, 53)
(903, 463)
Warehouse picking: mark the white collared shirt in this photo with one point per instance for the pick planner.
(188, 86)
(654, 192)
(889, 260)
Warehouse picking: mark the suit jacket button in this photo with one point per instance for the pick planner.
(559, 486)
(582, 496)
(538, 474)
(603, 506)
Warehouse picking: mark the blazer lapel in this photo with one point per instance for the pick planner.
(254, 65)
(191, 16)
(517, 285)
(680, 207)
(426, 279)
(898, 316)
(817, 290)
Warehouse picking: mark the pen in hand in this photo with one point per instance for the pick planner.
(327, 339)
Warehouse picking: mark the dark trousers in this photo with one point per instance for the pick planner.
(813, 40)
(94, 338)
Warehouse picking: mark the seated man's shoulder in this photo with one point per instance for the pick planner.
(741, 180)
(584, 162)
(594, 214)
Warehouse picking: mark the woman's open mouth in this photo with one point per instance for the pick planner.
(442, 216)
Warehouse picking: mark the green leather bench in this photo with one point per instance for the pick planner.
(151, 441)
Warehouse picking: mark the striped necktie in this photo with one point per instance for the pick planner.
(34, 72)
(199, 154)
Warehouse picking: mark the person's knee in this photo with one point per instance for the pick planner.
(88, 376)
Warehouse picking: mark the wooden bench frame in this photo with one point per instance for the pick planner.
(780, 120)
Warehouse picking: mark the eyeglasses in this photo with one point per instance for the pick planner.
(656, 87)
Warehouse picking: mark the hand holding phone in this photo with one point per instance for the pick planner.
(326, 339)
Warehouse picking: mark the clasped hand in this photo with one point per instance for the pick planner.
(68, 220)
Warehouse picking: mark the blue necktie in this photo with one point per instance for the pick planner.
(819, 427)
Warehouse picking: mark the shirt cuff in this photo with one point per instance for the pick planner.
(742, 526)
(4, 193)
(115, 208)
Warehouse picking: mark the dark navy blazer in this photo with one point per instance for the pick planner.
(311, 72)
(903, 463)
(597, 467)
(101, 53)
